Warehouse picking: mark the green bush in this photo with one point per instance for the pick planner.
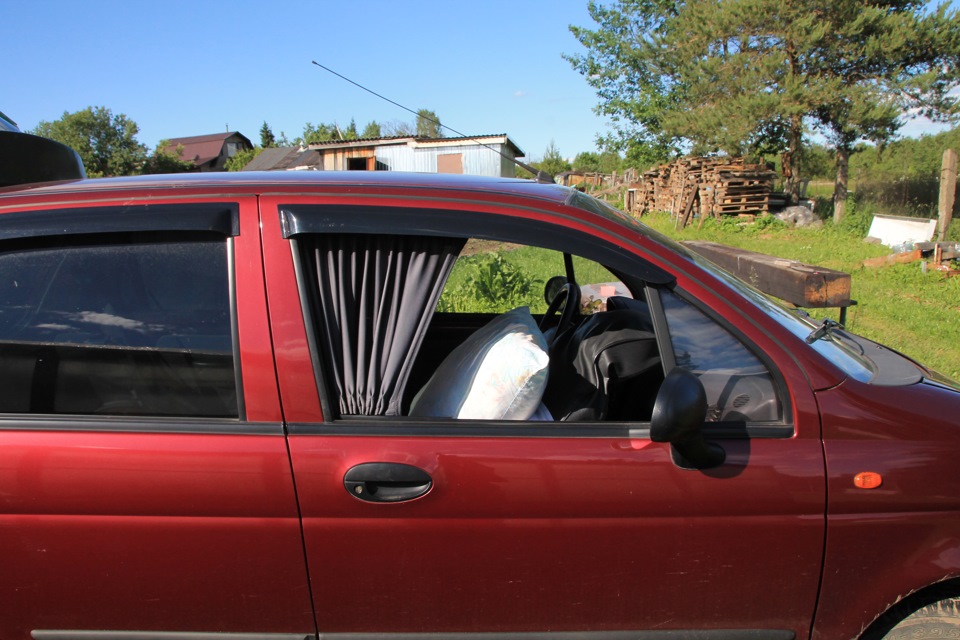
(492, 284)
(858, 217)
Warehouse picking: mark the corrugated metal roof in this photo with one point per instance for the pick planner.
(372, 142)
(270, 158)
(283, 158)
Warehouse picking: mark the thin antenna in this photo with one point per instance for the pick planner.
(542, 176)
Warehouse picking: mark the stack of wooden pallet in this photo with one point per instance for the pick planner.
(736, 188)
(642, 195)
(703, 187)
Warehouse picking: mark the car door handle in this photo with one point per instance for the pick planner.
(386, 482)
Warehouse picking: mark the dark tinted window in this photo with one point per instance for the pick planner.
(135, 329)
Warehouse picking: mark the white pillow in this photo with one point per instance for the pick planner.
(498, 373)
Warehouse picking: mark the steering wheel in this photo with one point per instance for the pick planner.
(566, 297)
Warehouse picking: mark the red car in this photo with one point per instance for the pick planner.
(258, 406)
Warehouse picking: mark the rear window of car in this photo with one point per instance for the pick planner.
(139, 328)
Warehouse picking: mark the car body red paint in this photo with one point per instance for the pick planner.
(114, 522)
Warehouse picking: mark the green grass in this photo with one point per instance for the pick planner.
(900, 306)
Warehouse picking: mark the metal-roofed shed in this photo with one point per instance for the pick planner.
(484, 155)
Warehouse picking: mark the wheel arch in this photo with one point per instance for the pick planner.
(910, 604)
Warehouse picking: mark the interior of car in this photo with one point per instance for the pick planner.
(492, 338)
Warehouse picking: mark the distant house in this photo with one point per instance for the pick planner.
(485, 155)
(210, 152)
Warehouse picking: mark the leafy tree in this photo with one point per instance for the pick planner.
(604, 162)
(817, 161)
(398, 128)
(267, 139)
(903, 177)
(372, 130)
(619, 65)
(749, 77)
(587, 161)
(320, 133)
(107, 144)
(241, 159)
(164, 161)
(428, 124)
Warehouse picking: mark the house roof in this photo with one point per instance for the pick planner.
(489, 138)
(202, 149)
(272, 158)
(282, 158)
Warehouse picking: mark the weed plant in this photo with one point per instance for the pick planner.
(504, 277)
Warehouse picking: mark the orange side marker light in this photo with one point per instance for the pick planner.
(867, 480)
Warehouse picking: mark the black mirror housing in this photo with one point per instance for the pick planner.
(679, 414)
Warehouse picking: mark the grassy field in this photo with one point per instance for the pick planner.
(912, 311)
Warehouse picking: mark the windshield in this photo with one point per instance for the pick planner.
(835, 345)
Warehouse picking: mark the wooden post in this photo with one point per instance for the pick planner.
(948, 187)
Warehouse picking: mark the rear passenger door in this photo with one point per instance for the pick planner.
(144, 478)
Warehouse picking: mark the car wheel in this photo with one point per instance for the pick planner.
(937, 620)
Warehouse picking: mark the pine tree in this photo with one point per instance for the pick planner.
(267, 139)
(753, 76)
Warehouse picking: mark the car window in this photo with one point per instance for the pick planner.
(495, 277)
(406, 325)
(117, 329)
(739, 386)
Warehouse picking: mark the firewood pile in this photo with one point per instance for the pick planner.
(703, 187)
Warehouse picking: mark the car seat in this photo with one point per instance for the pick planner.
(606, 368)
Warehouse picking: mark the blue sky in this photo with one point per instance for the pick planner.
(189, 68)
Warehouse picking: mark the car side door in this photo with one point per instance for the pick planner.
(508, 526)
(145, 486)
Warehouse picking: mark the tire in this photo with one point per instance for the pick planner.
(937, 620)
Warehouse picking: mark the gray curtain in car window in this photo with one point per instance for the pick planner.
(376, 296)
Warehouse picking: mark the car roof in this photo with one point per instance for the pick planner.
(266, 181)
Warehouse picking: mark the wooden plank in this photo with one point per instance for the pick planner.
(798, 283)
(896, 258)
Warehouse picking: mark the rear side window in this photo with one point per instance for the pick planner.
(117, 329)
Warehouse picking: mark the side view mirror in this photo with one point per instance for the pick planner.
(679, 414)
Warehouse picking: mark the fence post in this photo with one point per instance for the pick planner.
(948, 187)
